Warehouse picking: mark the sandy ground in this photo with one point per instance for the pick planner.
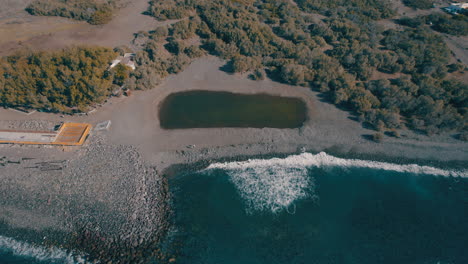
(19, 29)
(114, 182)
(135, 122)
(96, 179)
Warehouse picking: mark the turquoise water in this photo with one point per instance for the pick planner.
(9, 258)
(347, 213)
(205, 109)
(310, 209)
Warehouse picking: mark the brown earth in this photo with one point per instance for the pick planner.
(19, 29)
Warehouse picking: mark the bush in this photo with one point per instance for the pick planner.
(167, 9)
(243, 64)
(194, 52)
(65, 80)
(394, 133)
(377, 137)
(258, 75)
(102, 16)
(419, 4)
(293, 74)
(92, 11)
(463, 136)
(453, 25)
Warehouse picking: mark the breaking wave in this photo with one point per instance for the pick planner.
(46, 254)
(275, 184)
(271, 188)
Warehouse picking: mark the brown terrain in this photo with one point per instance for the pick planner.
(19, 29)
(115, 179)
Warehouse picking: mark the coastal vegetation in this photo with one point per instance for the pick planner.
(341, 54)
(456, 25)
(95, 12)
(63, 81)
(419, 4)
(389, 79)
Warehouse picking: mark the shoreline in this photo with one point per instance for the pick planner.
(114, 180)
(182, 168)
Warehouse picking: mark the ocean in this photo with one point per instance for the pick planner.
(309, 208)
(321, 209)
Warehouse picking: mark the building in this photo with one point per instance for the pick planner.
(127, 59)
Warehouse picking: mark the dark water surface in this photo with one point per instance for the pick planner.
(205, 109)
(297, 210)
(349, 215)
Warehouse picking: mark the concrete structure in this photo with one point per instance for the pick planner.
(103, 126)
(69, 134)
(41, 137)
(126, 59)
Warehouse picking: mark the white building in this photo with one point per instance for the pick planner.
(126, 59)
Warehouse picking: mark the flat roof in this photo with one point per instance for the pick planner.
(69, 134)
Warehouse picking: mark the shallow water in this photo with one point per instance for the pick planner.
(206, 109)
(317, 212)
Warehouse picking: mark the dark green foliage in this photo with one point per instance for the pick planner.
(154, 64)
(456, 25)
(419, 4)
(121, 73)
(377, 137)
(463, 136)
(159, 33)
(358, 9)
(184, 29)
(168, 9)
(64, 81)
(194, 52)
(413, 22)
(244, 64)
(258, 75)
(92, 11)
(338, 55)
(419, 50)
(394, 133)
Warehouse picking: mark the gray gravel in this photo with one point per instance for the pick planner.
(39, 125)
(110, 203)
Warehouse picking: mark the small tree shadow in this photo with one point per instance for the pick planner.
(227, 68)
(368, 137)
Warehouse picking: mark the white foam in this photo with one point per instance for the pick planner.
(322, 159)
(274, 184)
(49, 254)
(271, 188)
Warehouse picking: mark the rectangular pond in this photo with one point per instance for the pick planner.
(207, 109)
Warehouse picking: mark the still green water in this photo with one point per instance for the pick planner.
(206, 109)
(337, 215)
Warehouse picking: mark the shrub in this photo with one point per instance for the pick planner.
(258, 74)
(243, 64)
(92, 11)
(377, 137)
(66, 79)
(419, 4)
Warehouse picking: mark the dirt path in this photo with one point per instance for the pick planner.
(18, 28)
(459, 46)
